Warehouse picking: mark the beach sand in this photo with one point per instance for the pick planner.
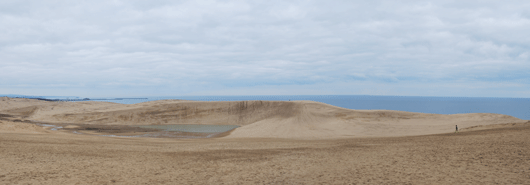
(298, 142)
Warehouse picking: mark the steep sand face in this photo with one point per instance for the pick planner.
(163, 112)
(258, 119)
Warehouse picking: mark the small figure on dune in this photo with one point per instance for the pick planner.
(456, 129)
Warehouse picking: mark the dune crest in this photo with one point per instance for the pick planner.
(258, 119)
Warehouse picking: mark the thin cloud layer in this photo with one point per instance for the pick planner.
(98, 48)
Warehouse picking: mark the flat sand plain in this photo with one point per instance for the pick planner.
(489, 149)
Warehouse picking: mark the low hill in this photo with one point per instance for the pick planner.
(258, 119)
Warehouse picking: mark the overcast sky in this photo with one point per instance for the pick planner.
(159, 48)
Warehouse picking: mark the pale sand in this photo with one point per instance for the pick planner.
(258, 119)
(279, 143)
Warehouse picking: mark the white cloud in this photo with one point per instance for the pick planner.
(213, 46)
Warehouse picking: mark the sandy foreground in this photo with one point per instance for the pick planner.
(299, 142)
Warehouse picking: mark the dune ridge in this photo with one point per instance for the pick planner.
(258, 119)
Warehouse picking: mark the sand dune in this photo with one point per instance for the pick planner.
(258, 119)
(318, 120)
(19, 127)
(324, 145)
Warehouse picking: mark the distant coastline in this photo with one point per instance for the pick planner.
(88, 99)
(517, 107)
(69, 99)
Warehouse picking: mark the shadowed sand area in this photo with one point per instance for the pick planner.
(278, 142)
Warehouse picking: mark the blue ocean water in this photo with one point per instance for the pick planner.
(517, 107)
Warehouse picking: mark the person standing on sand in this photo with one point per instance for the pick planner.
(456, 129)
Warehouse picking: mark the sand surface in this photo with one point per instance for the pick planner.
(298, 142)
(258, 119)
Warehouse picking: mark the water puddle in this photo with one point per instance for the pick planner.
(54, 127)
(192, 128)
(133, 131)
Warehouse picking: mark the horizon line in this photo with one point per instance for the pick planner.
(27, 96)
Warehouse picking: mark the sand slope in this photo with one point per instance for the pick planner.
(258, 119)
(19, 127)
(495, 156)
(318, 120)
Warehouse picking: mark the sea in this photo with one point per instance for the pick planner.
(516, 107)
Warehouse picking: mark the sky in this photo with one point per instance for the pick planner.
(134, 48)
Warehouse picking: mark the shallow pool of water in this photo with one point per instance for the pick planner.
(193, 128)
